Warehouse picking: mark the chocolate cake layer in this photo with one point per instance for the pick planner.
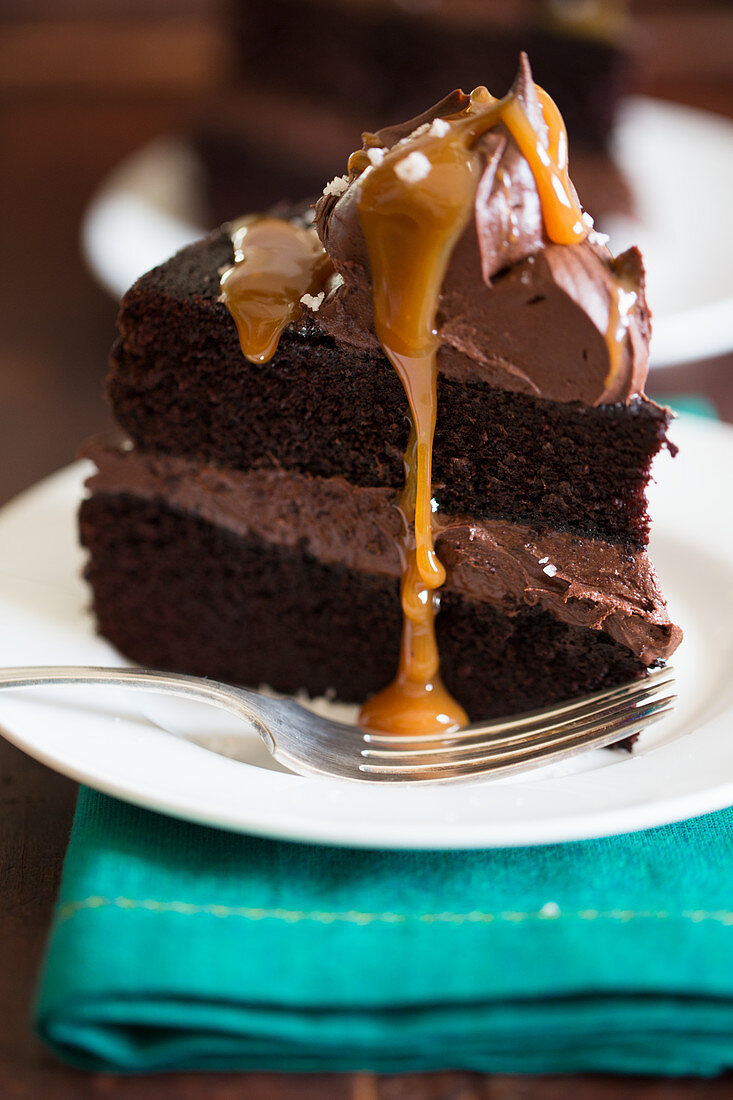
(175, 591)
(180, 385)
(580, 581)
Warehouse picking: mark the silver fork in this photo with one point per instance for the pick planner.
(310, 744)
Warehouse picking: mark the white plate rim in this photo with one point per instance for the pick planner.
(302, 809)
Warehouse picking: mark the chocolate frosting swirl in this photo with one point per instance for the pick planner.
(582, 581)
(516, 310)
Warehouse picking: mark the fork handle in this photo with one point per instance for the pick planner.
(164, 683)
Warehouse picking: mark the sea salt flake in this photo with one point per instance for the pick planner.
(334, 283)
(626, 302)
(419, 131)
(598, 238)
(550, 569)
(413, 168)
(544, 561)
(587, 219)
(439, 127)
(376, 156)
(313, 301)
(337, 186)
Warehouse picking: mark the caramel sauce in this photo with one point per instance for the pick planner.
(561, 213)
(416, 701)
(414, 203)
(623, 301)
(276, 262)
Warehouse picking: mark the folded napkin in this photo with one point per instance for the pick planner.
(181, 947)
(688, 403)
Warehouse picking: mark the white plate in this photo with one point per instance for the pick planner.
(679, 163)
(115, 742)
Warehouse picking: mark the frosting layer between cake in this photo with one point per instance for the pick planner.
(582, 581)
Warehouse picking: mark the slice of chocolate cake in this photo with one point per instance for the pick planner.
(258, 529)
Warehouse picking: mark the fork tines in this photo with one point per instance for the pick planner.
(525, 740)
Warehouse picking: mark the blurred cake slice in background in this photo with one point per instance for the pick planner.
(309, 74)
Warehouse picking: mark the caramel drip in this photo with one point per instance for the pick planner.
(561, 213)
(275, 263)
(414, 203)
(623, 300)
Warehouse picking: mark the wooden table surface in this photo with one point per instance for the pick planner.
(78, 92)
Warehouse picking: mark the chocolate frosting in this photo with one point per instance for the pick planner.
(581, 581)
(516, 310)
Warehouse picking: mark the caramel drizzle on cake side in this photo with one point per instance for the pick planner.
(414, 202)
(624, 298)
(276, 264)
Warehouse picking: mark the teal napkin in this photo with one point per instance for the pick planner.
(180, 947)
(689, 403)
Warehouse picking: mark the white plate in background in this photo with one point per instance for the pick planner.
(116, 742)
(679, 163)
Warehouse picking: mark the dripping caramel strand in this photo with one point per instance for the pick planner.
(414, 204)
(275, 263)
(561, 212)
(623, 300)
